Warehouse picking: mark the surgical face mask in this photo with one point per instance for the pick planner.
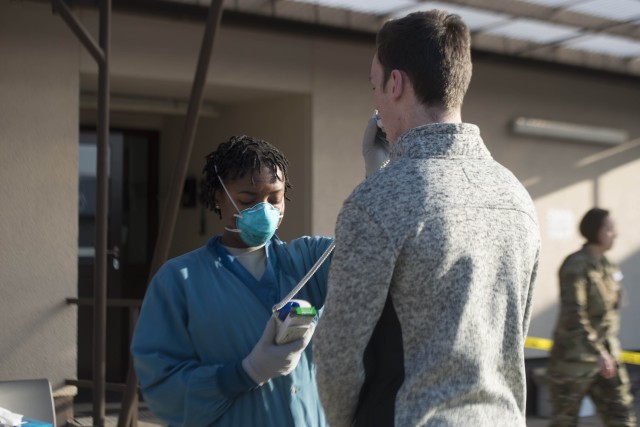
(256, 224)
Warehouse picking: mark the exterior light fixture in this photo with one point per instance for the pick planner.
(568, 131)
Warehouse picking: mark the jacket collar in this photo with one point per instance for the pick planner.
(441, 140)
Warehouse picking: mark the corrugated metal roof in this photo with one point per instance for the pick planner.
(618, 10)
(376, 7)
(476, 19)
(597, 34)
(533, 30)
(607, 44)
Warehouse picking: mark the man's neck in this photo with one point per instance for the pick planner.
(421, 116)
(430, 115)
(411, 113)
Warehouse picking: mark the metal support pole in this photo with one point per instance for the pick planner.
(129, 406)
(102, 218)
(80, 32)
(168, 223)
(101, 55)
(167, 226)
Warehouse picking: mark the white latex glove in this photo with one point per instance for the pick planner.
(375, 147)
(268, 360)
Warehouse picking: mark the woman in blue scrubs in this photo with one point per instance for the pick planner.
(203, 347)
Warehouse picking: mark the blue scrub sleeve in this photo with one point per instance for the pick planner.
(177, 387)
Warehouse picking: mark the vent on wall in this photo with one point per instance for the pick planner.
(568, 131)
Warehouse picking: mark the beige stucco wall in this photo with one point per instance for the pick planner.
(38, 193)
(150, 54)
(566, 179)
(342, 104)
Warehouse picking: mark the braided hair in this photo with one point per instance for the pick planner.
(234, 159)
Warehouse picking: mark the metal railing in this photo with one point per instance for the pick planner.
(128, 412)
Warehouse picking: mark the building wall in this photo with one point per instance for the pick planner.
(342, 105)
(565, 179)
(39, 79)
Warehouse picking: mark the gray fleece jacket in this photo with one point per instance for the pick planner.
(430, 290)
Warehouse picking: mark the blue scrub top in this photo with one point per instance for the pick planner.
(202, 314)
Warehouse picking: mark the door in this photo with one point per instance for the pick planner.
(132, 229)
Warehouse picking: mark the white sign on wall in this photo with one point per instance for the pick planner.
(561, 224)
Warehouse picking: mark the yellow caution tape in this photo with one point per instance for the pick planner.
(546, 344)
(538, 343)
(631, 357)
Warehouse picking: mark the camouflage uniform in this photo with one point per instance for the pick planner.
(588, 325)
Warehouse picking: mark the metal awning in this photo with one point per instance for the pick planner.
(593, 34)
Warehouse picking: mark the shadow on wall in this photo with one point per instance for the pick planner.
(581, 168)
(594, 168)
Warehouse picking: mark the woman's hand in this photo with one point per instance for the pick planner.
(607, 365)
(269, 360)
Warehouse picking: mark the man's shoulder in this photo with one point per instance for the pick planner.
(391, 177)
(366, 190)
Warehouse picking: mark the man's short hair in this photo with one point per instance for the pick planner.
(434, 49)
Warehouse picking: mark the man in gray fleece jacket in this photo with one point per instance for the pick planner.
(430, 287)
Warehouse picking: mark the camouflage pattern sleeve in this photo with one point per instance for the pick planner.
(576, 336)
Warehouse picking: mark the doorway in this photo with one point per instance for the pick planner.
(132, 230)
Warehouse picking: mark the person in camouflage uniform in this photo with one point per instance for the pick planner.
(586, 356)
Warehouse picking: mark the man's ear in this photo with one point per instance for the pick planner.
(398, 81)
